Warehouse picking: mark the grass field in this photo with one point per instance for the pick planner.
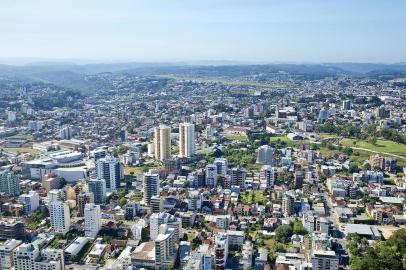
(21, 150)
(253, 197)
(137, 170)
(284, 138)
(236, 137)
(382, 146)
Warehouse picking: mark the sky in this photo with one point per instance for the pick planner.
(212, 30)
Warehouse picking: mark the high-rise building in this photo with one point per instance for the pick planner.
(30, 202)
(12, 229)
(111, 170)
(299, 177)
(237, 176)
(221, 251)
(60, 217)
(9, 183)
(195, 200)
(222, 166)
(6, 253)
(162, 141)
(324, 260)
(267, 176)
(186, 139)
(92, 219)
(11, 116)
(28, 256)
(158, 219)
(165, 247)
(83, 199)
(265, 155)
(157, 204)
(66, 132)
(151, 186)
(346, 105)
(211, 175)
(287, 205)
(98, 188)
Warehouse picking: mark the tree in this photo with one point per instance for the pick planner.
(298, 227)
(283, 233)
(122, 202)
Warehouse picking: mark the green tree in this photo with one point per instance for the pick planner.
(283, 233)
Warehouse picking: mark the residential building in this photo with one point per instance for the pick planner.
(151, 186)
(186, 140)
(60, 217)
(162, 142)
(92, 219)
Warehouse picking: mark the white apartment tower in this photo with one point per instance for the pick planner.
(109, 169)
(211, 175)
(267, 176)
(92, 219)
(186, 140)
(60, 217)
(162, 142)
(265, 155)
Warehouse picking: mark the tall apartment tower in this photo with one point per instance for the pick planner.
(83, 199)
(9, 183)
(162, 142)
(98, 188)
(267, 176)
(221, 251)
(92, 219)
(60, 217)
(109, 169)
(287, 205)
(6, 253)
(265, 155)
(151, 186)
(211, 175)
(186, 140)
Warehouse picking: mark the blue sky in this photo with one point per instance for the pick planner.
(187, 30)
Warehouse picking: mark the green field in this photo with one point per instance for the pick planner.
(21, 150)
(284, 138)
(253, 197)
(381, 146)
(137, 170)
(236, 137)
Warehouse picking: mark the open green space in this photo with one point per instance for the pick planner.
(21, 150)
(138, 170)
(236, 137)
(381, 146)
(253, 197)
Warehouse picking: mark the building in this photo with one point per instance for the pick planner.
(222, 166)
(66, 133)
(165, 247)
(30, 202)
(299, 177)
(82, 199)
(76, 246)
(29, 256)
(346, 105)
(265, 155)
(157, 204)
(267, 176)
(157, 219)
(324, 260)
(287, 205)
(12, 229)
(111, 170)
(238, 176)
(151, 186)
(98, 188)
(186, 140)
(195, 198)
(211, 175)
(9, 183)
(221, 251)
(6, 253)
(60, 217)
(162, 142)
(92, 219)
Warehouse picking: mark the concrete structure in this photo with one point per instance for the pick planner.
(265, 155)
(324, 260)
(211, 175)
(6, 253)
(151, 186)
(186, 140)
(109, 169)
(157, 219)
(92, 219)
(221, 251)
(29, 257)
(30, 202)
(162, 142)
(60, 217)
(9, 183)
(98, 188)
